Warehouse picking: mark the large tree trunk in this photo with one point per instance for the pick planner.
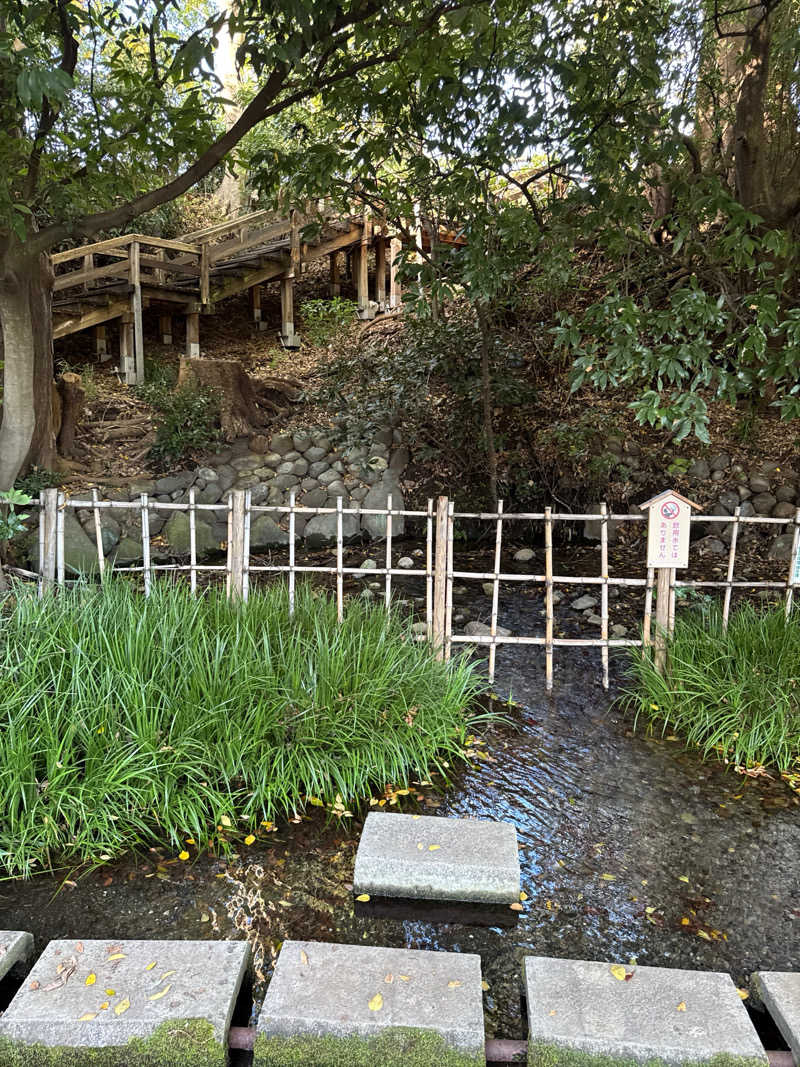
(26, 433)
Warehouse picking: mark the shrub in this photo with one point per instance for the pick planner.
(127, 721)
(187, 419)
(325, 321)
(734, 693)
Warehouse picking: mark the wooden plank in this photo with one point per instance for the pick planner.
(171, 266)
(222, 227)
(90, 318)
(255, 277)
(352, 237)
(99, 246)
(218, 253)
(81, 277)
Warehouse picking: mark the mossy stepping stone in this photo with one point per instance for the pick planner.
(780, 992)
(584, 1014)
(361, 1006)
(126, 1004)
(16, 948)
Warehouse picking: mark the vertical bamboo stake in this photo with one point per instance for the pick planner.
(726, 607)
(388, 592)
(192, 541)
(98, 535)
(790, 581)
(548, 598)
(498, 542)
(49, 520)
(40, 578)
(604, 591)
(448, 624)
(648, 609)
(429, 570)
(291, 551)
(439, 616)
(236, 545)
(671, 622)
(339, 562)
(60, 562)
(146, 544)
(230, 538)
(246, 547)
(662, 617)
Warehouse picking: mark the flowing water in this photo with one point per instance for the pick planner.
(632, 848)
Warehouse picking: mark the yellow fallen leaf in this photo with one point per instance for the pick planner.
(116, 956)
(88, 1017)
(685, 921)
(403, 977)
(225, 820)
(150, 966)
(376, 1003)
(364, 897)
(104, 1006)
(420, 845)
(433, 848)
(704, 935)
(681, 1007)
(122, 1007)
(683, 878)
(618, 971)
(523, 896)
(609, 877)
(162, 993)
(165, 975)
(485, 986)
(743, 993)
(250, 839)
(111, 992)
(183, 855)
(303, 957)
(91, 979)
(453, 985)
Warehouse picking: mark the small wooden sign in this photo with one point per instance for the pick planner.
(669, 516)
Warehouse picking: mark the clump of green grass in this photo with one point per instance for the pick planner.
(734, 693)
(127, 721)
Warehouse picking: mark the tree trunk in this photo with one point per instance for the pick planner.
(73, 400)
(26, 349)
(488, 403)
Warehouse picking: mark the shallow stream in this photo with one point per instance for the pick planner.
(631, 848)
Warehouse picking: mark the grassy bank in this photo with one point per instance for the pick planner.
(126, 721)
(735, 693)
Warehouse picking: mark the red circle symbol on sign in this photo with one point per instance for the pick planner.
(670, 509)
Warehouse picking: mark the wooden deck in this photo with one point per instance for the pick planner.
(125, 277)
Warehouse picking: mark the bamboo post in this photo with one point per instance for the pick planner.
(146, 571)
(127, 365)
(165, 329)
(48, 520)
(136, 310)
(292, 530)
(193, 335)
(548, 597)
(440, 578)
(60, 561)
(236, 545)
(794, 577)
(726, 607)
(193, 540)
(335, 283)
(604, 591)
(498, 542)
(339, 562)
(648, 609)
(429, 569)
(98, 535)
(388, 588)
(448, 621)
(380, 271)
(395, 290)
(663, 583)
(246, 546)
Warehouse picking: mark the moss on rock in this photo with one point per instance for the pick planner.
(393, 1047)
(541, 1054)
(176, 1043)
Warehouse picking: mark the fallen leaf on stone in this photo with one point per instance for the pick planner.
(115, 956)
(150, 966)
(743, 993)
(376, 1003)
(609, 877)
(88, 1017)
(165, 975)
(79, 947)
(364, 897)
(91, 979)
(433, 848)
(122, 1007)
(453, 985)
(389, 979)
(34, 985)
(104, 1006)
(681, 1007)
(303, 957)
(618, 971)
(485, 986)
(403, 977)
(111, 992)
(162, 993)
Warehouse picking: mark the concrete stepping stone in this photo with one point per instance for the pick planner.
(16, 948)
(780, 993)
(129, 1003)
(427, 857)
(657, 1014)
(329, 1005)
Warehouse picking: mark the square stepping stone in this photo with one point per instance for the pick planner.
(329, 1005)
(16, 948)
(657, 1014)
(780, 992)
(426, 857)
(126, 1003)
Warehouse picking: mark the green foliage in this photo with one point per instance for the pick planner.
(36, 479)
(137, 720)
(11, 522)
(326, 321)
(187, 419)
(735, 693)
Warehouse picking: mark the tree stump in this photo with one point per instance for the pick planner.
(243, 403)
(73, 399)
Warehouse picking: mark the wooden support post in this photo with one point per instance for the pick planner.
(348, 264)
(255, 304)
(439, 634)
(48, 519)
(136, 309)
(159, 276)
(193, 335)
(395, 291)
(88, 265)
(236, 541)
(288, 337)
(205, 280)
(165, 329)
(335, 283)
(101, 343)
(365, 311)
(380, 272)
(417, 234)
(664, 580)
(127, 367)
